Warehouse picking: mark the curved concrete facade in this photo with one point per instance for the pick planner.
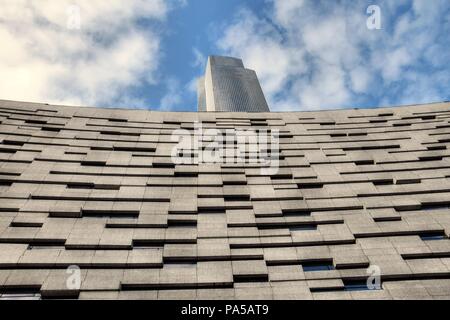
(357, 192)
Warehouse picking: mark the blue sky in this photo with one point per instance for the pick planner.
(308, 54)
(191, 36)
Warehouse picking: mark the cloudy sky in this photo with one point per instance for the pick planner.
(308, 54)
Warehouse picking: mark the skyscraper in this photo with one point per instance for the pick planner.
(229, 86)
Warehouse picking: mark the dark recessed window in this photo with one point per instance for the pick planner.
(310, 185)
(359, 285)
(54, 244)
(385, 114)
(117, 120)
(303, 228)
(146, 244)
(296, 213)
(110, 214)
(182, 224)
(432, 236)
(317, 266)
(250, 278)
(435, 207)
(364, 162)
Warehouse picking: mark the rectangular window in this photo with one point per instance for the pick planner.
(317, 266)
(358, 285)
(20, 294)
(432, 207)
(433, 236)
(303, 227)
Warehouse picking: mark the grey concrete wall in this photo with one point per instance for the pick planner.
(96, 188)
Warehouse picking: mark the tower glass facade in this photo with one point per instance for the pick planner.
(228, 86)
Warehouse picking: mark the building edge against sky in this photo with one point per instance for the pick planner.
(228, 86)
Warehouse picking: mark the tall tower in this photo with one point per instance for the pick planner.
(201, 95)
(228, 86)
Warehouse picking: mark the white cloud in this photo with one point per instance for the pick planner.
(44, 60)
(192, 85)
(392, 64)
(360, 79)
(173, 96)
(288, 10)
(320, 54)
(325, 89)
(261, 48)
(199, 59)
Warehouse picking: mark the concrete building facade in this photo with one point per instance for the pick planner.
(358, 193)
(229, 87)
